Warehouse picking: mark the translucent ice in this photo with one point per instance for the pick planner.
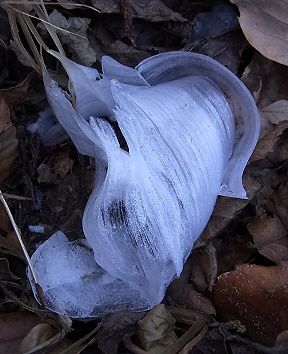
(190, 126)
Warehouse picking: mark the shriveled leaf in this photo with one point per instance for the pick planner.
(156, 330)
(265, 26)
(257, 296)
(14, 95)
(266, 144)
(44, 337)
(270, 238)
(13, 327)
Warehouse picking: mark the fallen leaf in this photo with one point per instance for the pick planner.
(270, 238)
(265, 26)
(267, 80)
(56, 168)
(276, 112)
(156, 330)
(266, 144)
(15, 94)
(221, 338)
(258, 297)
(280, 202)
(182, 292)
(44, 338)
(76, 38)
(8, 240)
(204, 268)
(8, 141)
(5, 272)
(227, 209)
(113, 329)
(13, 327)
(148, 10)
(273, 114)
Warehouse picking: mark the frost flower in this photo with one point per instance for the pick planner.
(167, 137)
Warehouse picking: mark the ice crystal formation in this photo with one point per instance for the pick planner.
(188, 127)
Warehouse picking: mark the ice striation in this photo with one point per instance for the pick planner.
(190, 127)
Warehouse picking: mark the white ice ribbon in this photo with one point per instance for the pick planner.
(190, 126)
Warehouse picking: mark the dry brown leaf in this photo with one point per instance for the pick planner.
(270, 238)
(265, 25)
(14, 95)
(257, 296)
(13, 327)
(266, 144)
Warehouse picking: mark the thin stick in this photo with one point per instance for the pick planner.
(14, 196)
(18, 234)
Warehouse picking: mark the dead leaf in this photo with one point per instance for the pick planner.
(76, 38)
(148, 10)
(265, 26)
(14, 95)
(8, 141)
(276, 112)
(13, 327)
(270, 238)
(273, 114)
(182, 292)
(45, 338)
(5, 272)
(56, 168)
(226, 210)
(204, 268)
(266, 144)
(113, 329)
(257, 296)
(280, 202)
(266, 80)
(156, 330)
(8, 240)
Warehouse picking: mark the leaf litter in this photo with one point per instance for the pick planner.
(233, 290)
